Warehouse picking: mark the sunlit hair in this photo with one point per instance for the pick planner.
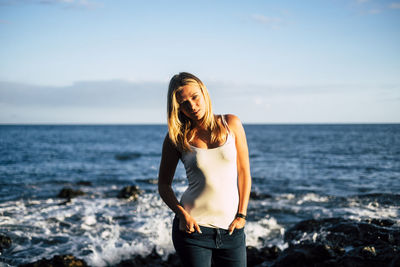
(180, 127)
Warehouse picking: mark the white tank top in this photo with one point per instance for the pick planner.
(212, 197)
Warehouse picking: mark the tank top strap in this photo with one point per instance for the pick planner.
(225, 124)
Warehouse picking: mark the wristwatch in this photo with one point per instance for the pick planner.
(241, 215)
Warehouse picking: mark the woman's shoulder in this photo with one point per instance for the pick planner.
(170, 146)
(234, 123)
(232, 120)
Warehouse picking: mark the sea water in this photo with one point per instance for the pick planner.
(299, 172)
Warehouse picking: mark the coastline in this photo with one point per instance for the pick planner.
(324, 242)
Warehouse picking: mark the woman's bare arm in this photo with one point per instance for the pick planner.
(243, 166)
(169, 160)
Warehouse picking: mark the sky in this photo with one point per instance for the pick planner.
(110, 61)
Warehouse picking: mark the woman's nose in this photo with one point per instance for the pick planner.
(191, 105)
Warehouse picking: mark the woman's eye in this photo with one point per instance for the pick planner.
(195, 97)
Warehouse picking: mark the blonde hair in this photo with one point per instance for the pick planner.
(180, 127)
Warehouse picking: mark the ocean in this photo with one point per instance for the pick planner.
(299, 172)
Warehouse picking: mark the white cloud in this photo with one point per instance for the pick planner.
(64, 3)
(395, 5)
(104, 94)
(370, 7)
(114, 101)
(274, 22)
(118, 101)
(73, 3)
(375, 11)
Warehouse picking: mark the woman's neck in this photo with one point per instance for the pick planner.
(200, 125)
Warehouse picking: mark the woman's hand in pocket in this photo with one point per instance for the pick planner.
(188, 224)
(238, 223)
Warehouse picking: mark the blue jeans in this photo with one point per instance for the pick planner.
(212, 245)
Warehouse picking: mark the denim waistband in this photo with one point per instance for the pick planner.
(209, 236)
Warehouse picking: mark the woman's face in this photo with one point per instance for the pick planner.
(191, 102)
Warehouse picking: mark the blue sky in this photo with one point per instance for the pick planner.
(323, 61)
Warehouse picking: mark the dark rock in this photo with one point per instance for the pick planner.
(173, 260)
(355, 261)
(154, 256)
(259, 196)
(5, 242)
(127, 156)
(65, 202)
(396, 261)
(305, 255)
(308, 226)
(136, 261)
(265, 255)
(381, 222)
(151, 260)
(84, 183)
(270, 253)
(387, 254)
(130, 192)
(371, 242)
(337, 232)
(57, 261)
(69, 193)
(292, 257)
(381, 198)
(254, 256)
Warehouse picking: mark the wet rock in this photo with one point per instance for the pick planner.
(265, 255)
(259, 196)
(308, 226)
(173, 260)
(84, 183)
(135, 262)
(337, 232)
(5, 242)
(69, 193)
(151, 260)
(371, 242)
(385, 253)
(380, 222)
(127, 156)
(305, 255)
(254, 256)
(270, 253)
(356, 261)
(57, 261)
(396, 261)
(130, 192)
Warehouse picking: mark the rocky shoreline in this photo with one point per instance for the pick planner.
(325, 242)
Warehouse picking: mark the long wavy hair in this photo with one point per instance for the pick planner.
(180, 127)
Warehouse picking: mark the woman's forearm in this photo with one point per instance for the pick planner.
(244, 186)
(168, 196)
(169, 161)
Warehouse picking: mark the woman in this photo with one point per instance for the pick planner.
(209, 220)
